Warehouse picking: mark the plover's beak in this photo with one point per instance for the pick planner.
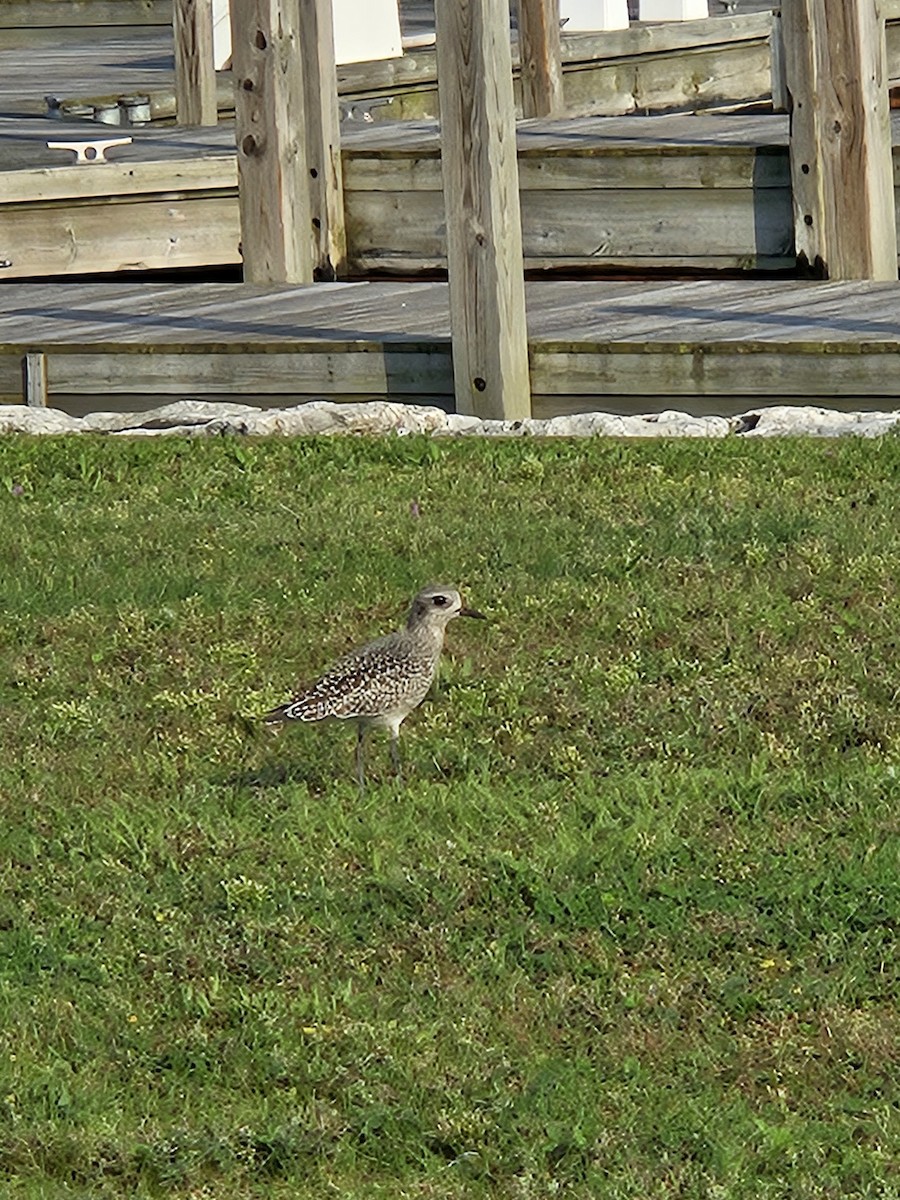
(472, 612)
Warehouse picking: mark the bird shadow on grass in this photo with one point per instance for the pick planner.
(419, 766)
(276, 774)
(272, 772)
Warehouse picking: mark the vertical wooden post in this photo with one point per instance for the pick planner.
(195, 72)
(481, 205)
(288, 140)
(34, 379)
(540, 57)
(270, 128)
(841, 167)
(780, 99)
(323, 139)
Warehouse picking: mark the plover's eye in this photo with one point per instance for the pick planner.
(440, 601)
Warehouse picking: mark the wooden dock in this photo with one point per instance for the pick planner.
(675, 192)
(680, 192)
(646, 68)
(710, 64)
(697, 345)
(170, 200)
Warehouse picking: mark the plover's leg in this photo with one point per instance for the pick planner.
(395, 751)
(360, 766)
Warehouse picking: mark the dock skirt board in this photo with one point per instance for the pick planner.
(633, 347)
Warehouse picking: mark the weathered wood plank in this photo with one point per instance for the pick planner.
(51, 14)
(630, 227)
(679, 369)
(405, 232)
(144, 235)
(892, 50)
(348, 369)
(685, 133)
(836, 73)
(780, 96)
(786, 312)
(481, 199)
(577, 48)
(731, 167)
(206, 173)
(702, 370)
(195, 74)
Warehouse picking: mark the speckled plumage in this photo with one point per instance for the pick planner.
(381, 683)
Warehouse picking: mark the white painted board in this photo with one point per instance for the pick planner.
(221, 34)
(364, 30)
(674, 10)
(586, 16)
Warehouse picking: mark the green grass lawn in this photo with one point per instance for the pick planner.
(627, 927)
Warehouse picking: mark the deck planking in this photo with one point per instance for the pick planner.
(621, 346)
(109, 61)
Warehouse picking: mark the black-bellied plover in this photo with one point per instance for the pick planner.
(380, 684)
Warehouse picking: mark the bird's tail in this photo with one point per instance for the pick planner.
(302, 708)
(276, 716)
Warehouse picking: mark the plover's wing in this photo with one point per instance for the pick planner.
(369, 682)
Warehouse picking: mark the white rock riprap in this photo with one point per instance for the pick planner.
(783, 420)
(18, 418)
(204, 418)
(326, 417)
(180, 414)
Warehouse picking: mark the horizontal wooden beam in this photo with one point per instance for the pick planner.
(34, 15)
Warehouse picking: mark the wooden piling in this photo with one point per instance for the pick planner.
(481, 205)
(270, 128)
(288, 141)
(841, 166)
(323, 139)
(540, 58)
(195, 73)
